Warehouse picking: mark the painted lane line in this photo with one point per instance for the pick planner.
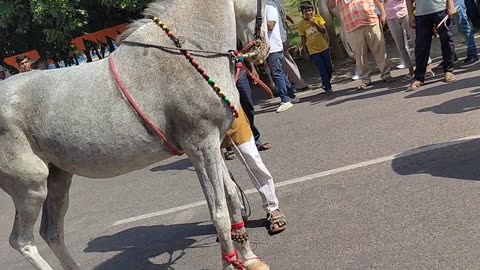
(306, 178)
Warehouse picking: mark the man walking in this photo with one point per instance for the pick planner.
(363, 32)
(275, 58)
(430, 15)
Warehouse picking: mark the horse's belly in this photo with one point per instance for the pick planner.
(104, 155)
(114, 164)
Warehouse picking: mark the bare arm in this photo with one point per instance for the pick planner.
(304, 42)
(332, 4)
(381, 9)
(271, 25)
(410, 7)
(451, 8)
(304, 46)
(411, 17)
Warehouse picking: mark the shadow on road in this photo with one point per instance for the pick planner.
(445, 88)
(459, 161)
(457, 105)
(179, 165)
(136, 247)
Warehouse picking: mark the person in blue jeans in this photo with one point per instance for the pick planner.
(311, 29)
(466, 29)
(473, 12)
(275, 58)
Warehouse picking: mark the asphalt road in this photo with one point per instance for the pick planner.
(380, 179)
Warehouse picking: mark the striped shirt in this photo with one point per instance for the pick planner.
(357, 13)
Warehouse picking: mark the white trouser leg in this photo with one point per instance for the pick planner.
(259, 174)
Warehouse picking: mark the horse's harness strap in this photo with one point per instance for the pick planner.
(144, 117)
(258, 19)
(175, 48)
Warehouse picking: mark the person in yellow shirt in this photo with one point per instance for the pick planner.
(312, 29)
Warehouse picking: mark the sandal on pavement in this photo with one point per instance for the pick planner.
(276, 223)
(229, 155)
(414, 86)
(362, 86)
(449, 77)
(264, 146)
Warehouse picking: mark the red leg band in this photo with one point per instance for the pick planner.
(238, 226)
(233, 259)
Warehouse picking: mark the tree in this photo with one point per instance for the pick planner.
(49, 25)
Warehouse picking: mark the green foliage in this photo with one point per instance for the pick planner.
(130, 5)
(49, 25)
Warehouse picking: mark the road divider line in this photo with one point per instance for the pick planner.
(305, 178)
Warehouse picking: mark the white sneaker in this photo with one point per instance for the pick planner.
(401, 66)
(294, 100)
(284, 106)
(355, 76)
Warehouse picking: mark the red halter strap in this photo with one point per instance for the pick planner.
(150, 124)
(232, 259)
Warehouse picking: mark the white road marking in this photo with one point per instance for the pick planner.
(305, 178)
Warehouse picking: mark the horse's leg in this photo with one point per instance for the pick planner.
(207, 160)
(239, 233)
(24, 177)
(54, 210)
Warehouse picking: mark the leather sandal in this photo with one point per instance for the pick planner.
(414, 86)
(264, 146)
(276, 224)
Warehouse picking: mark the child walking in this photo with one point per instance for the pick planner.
(311, 29)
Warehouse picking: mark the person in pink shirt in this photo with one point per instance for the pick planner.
(397, 19)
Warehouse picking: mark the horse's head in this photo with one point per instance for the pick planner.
(251, 25)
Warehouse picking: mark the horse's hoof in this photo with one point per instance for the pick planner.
(258, 266)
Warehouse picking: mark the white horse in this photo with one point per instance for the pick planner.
(55, 123)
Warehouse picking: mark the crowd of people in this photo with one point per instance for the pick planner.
(363, 22)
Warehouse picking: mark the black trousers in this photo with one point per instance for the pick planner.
(243, 86)
(423, 42)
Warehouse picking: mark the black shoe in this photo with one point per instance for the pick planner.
(329, 92)
(470, 60)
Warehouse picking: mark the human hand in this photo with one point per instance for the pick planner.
(451, 11)
(383, 19)
(411, 20)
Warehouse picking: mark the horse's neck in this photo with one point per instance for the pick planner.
(207, 25)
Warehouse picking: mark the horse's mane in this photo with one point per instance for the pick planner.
(154, 9)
